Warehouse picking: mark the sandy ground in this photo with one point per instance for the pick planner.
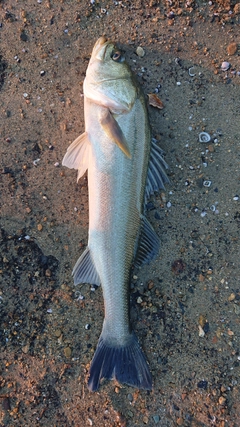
(185, 306)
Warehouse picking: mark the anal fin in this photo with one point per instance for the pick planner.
(84, 270)
(148, 244)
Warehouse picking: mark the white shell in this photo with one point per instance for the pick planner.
(191, 74)
(225, 66)
(204, 137)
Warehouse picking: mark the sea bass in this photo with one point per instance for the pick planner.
(124, 168)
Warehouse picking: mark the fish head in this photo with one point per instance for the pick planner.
(109, 80)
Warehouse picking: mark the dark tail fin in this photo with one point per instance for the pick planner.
(125, 364)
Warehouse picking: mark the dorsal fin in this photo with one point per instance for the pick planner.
(156, 176)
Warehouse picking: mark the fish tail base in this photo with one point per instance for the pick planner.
(126, 364)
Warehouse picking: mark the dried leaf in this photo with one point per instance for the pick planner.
(155, 101)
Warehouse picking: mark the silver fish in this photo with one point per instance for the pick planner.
(124, 169)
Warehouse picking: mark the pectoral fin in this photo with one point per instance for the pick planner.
(77, 155)
(114, 132)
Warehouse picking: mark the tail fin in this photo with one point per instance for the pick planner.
(126, 364)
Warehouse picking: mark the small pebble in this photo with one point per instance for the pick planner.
(25, 348)
(156, 418)
(145, 419)
(39, 227)
(67, 352)
(140, 52)
(202, 384)
(6, 404)
(202, 320)
(211, 148)
(236, 9)
(48, 273)
(232, 48)
(231, 297)
(150, 285)
(221, 400)
(130, 397)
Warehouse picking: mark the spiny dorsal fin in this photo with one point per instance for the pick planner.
(113, 131)
(77, 155)
(148, 245)
(156, 177)
(84, 270)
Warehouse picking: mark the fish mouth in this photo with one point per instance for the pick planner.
(100, 47)
(101, 41)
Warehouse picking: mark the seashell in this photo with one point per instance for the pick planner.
(155, 101)
(191, 74)
(204, 137)
(207, 183)
(225, 66)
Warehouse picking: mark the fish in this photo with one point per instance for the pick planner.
(125, 167)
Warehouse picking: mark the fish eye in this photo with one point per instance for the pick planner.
(117, 56)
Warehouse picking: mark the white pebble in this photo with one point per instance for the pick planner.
(140, 52)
